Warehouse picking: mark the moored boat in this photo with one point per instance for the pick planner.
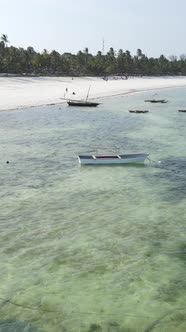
(162, 101)
(112, 159)
(183, 111)
(82, 103)
(138, 111)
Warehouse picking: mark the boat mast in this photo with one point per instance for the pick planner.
(88, 92)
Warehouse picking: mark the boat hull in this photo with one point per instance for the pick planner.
(138, 111)
(84, 104)
(115, 160)
(162, 101)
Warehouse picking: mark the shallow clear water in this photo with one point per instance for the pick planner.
(93, 248)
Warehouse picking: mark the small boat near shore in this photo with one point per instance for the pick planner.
(162, 101)
(112, 159)
(138, 111)
(82, 103)
(183, 111)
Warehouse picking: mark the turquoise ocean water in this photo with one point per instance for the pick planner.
(86, 249)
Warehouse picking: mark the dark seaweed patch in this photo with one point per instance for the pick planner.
(110, 327)
(17, 326)
(181, 253)
(94, 328)
(170, 290)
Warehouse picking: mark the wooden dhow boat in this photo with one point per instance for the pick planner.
(138, 111)
(162, 101)
(112, 159)
(82, 103)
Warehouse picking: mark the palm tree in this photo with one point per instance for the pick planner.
(139, 53)
(86, 50)
(4, 39)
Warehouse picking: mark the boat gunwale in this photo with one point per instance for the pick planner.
(112, 157)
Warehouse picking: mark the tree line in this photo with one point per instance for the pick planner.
(27, 61)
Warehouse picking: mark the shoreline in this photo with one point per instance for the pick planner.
(19, 93)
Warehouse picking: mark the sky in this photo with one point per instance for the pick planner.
(155, 26)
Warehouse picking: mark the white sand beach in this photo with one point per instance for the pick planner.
(21, 92)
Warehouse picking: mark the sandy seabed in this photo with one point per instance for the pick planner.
(21, 92)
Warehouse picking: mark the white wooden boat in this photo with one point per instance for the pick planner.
(112, 159)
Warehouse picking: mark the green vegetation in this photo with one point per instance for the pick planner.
(27, 61)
